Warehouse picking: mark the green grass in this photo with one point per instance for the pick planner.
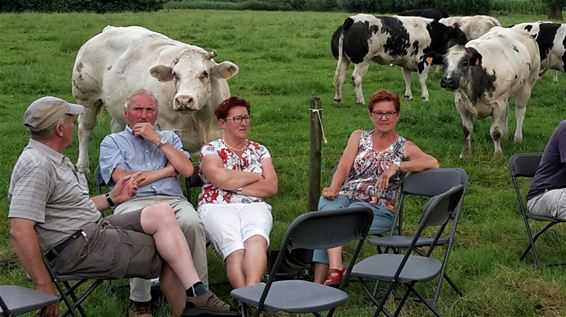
(284, 59)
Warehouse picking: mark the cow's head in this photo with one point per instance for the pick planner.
(456, 36)
(458, 63)
(192, 73)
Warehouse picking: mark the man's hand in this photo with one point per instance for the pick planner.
(126, 188)
(146, 131)
(53, 309)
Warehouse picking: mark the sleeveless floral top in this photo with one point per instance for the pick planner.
(250, 161)
(368, 166)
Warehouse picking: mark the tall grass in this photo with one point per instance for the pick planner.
(284, 59)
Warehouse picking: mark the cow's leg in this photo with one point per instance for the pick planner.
(407, 76)
(340, 76)
(467, 124)
(360, 70)
(498, 127)
(87, 121)
(423, 76)
(555, 78)
(520, 109)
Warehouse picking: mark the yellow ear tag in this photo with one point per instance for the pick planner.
(428, 60)
(477, 62)
(227, 74)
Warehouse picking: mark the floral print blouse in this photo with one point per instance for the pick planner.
(250, 161)
(368, 166)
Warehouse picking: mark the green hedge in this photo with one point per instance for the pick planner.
(80, 5)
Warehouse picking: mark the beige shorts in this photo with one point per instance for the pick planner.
(228, 226)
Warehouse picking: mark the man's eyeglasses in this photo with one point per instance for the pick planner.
(379, 115)
(240, 119)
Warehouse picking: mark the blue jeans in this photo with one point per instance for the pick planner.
(382, 218)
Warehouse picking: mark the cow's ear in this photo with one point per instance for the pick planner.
(475, 57)
(225, 70)
(433, 58)
(162, 72)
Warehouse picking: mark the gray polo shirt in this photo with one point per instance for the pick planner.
(46, 188)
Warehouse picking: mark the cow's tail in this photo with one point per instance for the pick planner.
(335, 42)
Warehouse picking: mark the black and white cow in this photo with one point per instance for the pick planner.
(485, 73)
(551, 39)
(430, 13)
(388, 40)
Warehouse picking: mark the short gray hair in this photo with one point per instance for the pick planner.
(136, 93)
(46, 133)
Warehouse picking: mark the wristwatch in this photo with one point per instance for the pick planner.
(162, 142)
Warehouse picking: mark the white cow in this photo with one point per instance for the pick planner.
(486, 73)
(185, 79)
(473, 26)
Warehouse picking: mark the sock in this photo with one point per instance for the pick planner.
(197, 289)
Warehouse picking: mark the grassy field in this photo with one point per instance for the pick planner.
(284, 59)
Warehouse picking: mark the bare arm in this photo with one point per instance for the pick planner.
(26, 244)
(146, 177)
(415, 161)
(267, 186)
(124, 189)
(176, 158)
(213, 169)
(344, 166)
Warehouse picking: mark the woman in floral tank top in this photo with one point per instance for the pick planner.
(369, 174)
(238, 175)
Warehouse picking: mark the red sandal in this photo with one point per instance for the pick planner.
(334, 277)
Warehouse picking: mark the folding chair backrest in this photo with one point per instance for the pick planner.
(441, 207)
(328, 229)
(323, 230)
(192, 182)
(428, 183)
(98, 180)
(524, 164)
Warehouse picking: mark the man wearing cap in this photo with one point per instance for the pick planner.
(52, 214)
(160, 157)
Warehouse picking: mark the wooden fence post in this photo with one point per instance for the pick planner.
(315, 153)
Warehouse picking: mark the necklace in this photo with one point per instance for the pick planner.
(235, 149)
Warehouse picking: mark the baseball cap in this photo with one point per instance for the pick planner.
(45, 111)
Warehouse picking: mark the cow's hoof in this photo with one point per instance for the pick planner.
(425, 99)
(408, 97)
(338, 101)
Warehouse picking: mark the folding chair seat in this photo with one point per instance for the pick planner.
(312, 230)
(524, 165)
(427, 183)
(409, 269)
(16, 300)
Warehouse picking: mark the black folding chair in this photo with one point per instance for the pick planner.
(74, 290)
(312, 230)
(16, 300)
(524, 165)
(427, 183)
(192, 182)
(408, 269)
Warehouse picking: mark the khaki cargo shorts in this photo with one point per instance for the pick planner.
(113, 247)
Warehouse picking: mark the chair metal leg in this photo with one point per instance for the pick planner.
(424, 301)
(532, 241)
